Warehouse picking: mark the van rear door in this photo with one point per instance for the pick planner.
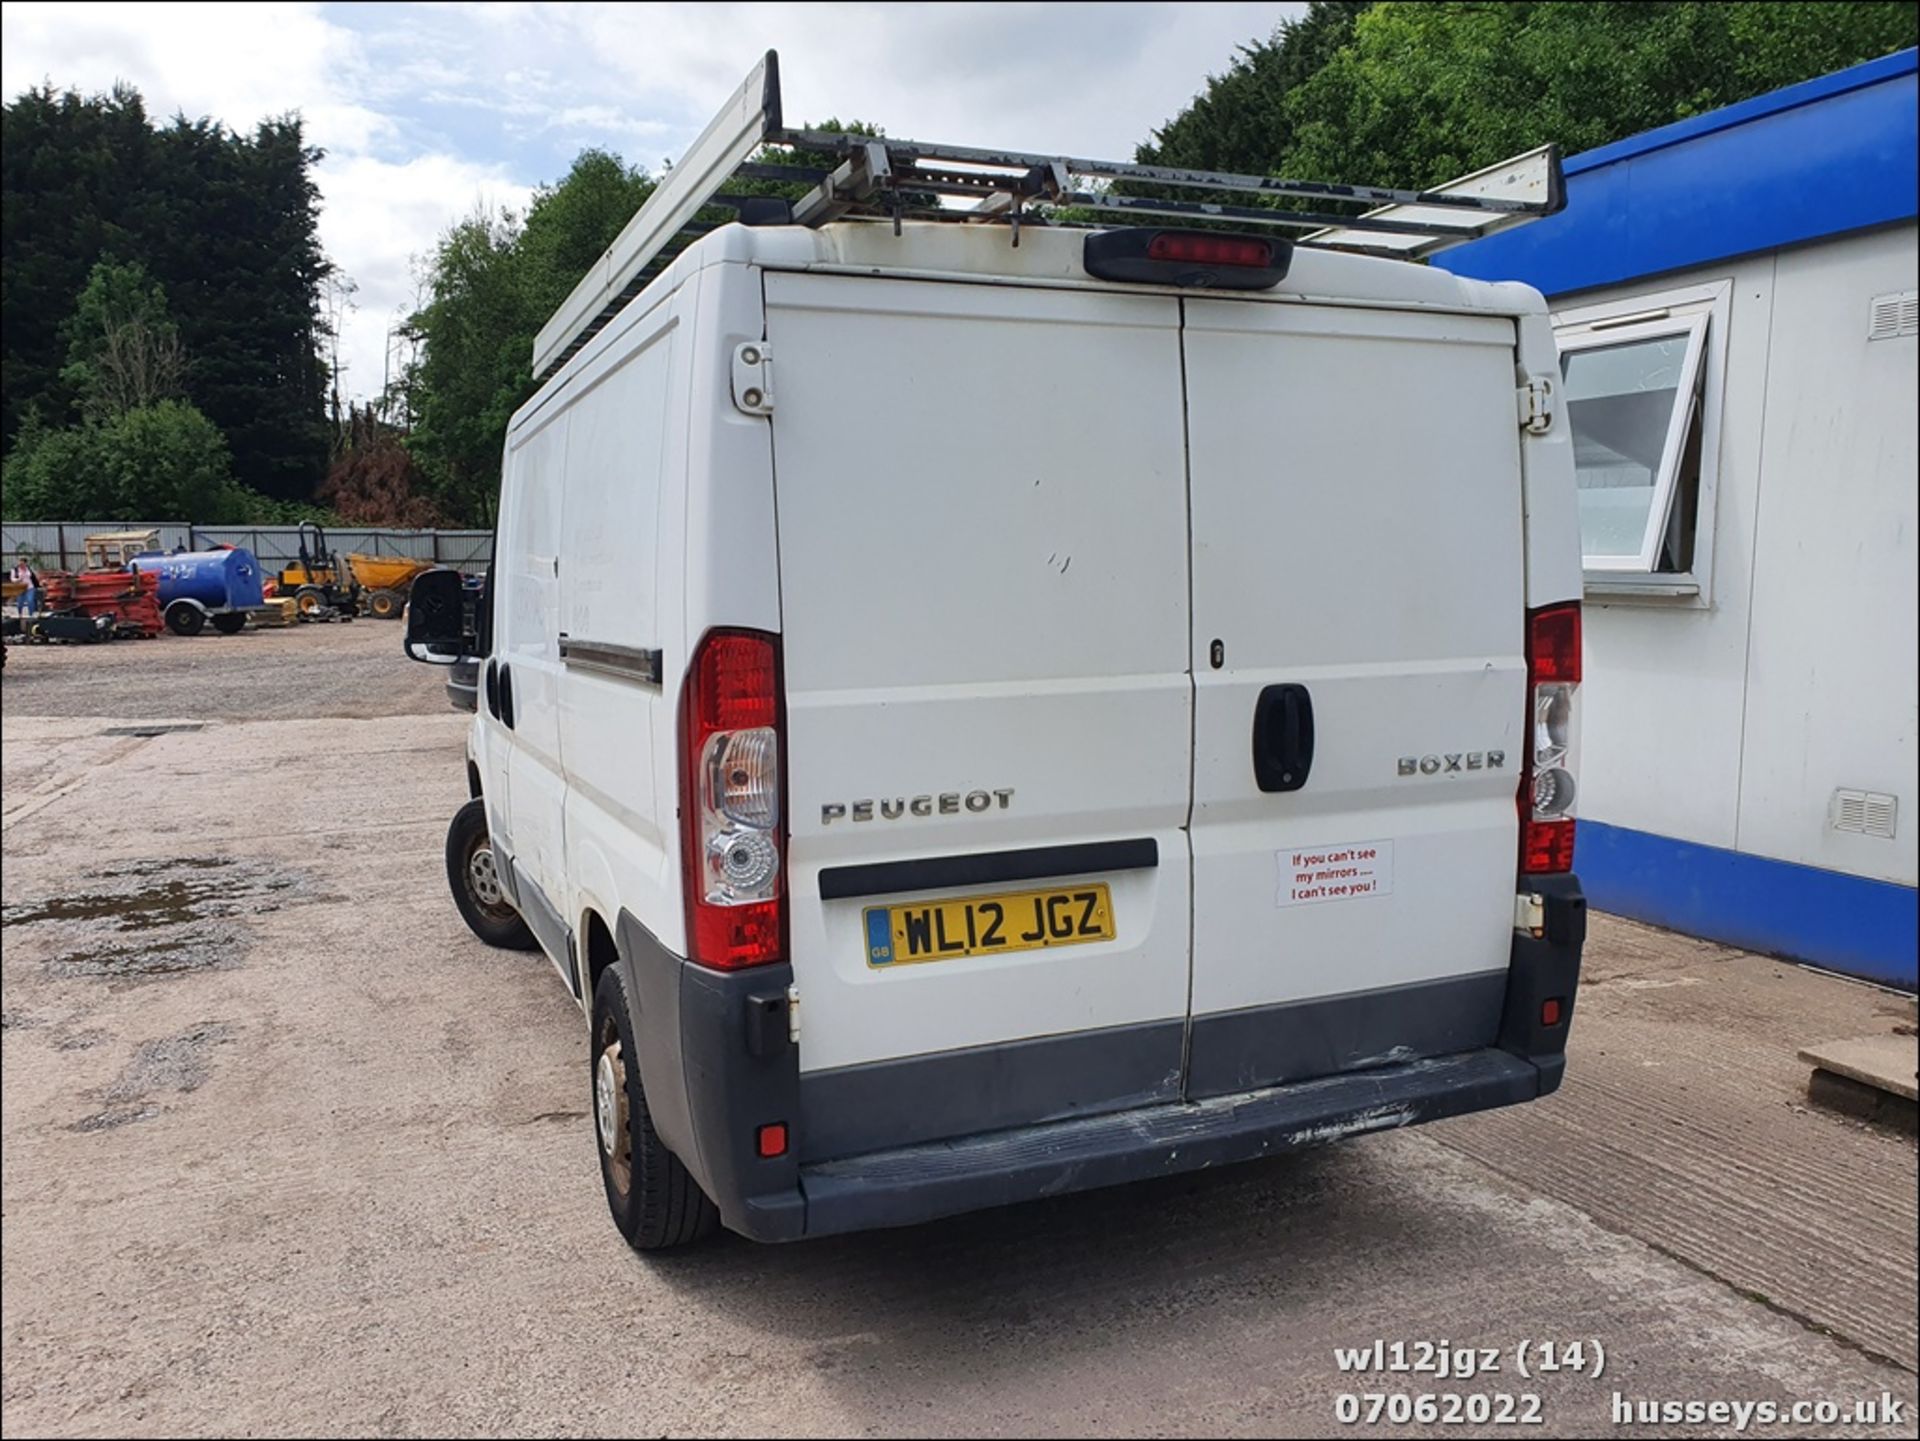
(1359, 685)
(983, 556)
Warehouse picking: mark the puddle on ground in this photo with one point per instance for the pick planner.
(217, 887)
(180, 913)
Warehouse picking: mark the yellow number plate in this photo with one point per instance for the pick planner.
(987, 925)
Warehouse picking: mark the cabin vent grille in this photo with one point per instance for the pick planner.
(1894, 315)
(1867, 813)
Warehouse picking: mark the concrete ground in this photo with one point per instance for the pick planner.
(285, 1151)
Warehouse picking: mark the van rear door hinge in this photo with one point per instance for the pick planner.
(1536, 405)
(753, 378)
(793, 1013)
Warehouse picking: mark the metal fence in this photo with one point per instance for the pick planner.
(61, 545)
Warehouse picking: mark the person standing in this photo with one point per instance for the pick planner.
(24, 573)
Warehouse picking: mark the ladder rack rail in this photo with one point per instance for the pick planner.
(885, 177)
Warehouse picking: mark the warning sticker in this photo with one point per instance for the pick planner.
(1343, 872)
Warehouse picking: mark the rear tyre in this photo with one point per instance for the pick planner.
(230, 623)
(310, 599)
(385, 605)
(475, 883)
(185, 619)
(655, 1202)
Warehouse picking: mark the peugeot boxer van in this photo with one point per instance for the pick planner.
(972, 720)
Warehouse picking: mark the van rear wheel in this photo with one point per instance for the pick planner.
(475, 880)
(655, 1201)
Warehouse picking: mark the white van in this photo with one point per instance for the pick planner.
(974, 720)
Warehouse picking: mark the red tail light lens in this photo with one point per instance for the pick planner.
(1547, 847)
(1547, 779)
(731, 802)
(1553, 644)
(733, 687)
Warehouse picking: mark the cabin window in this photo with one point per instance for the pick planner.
(1639, 383)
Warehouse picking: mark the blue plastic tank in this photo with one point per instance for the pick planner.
(218, 579)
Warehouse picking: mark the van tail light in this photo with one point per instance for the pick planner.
(1547, 784)
(731, 795)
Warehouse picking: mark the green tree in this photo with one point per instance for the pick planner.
(1241, 116)
(161, 461)
(67, 167)
(226, 223)
(1414, 94)
(491, 284)
(123, 350)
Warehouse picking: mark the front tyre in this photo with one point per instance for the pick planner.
(475, 880)
(655, 1201)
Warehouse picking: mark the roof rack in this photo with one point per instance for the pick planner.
(883, 177)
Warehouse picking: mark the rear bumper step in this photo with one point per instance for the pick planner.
(924, 1182)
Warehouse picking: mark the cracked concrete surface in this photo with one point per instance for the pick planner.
(345, 1183)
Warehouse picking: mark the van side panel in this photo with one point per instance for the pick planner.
(983, 572)
(1356, 535)
(613, 717)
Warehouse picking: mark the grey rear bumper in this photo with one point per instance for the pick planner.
(922, 1183)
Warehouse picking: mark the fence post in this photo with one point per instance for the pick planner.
(60, 539)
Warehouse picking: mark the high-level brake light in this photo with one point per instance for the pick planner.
(1204, 249)
(1547, 782)
(730, 802)
(1205, 259)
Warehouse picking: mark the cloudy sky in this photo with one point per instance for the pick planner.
(427, 111)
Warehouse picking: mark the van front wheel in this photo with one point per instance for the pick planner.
(655, 1201)
(475, 880)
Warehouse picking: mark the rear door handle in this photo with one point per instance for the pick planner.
(506, 696)
(1283, 737)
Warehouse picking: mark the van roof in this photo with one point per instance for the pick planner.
(1051, 256)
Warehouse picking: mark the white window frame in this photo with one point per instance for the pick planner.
(1701, 309)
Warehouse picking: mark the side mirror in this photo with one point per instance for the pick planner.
(437, 630)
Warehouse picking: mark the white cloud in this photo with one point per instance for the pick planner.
(427, 110)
